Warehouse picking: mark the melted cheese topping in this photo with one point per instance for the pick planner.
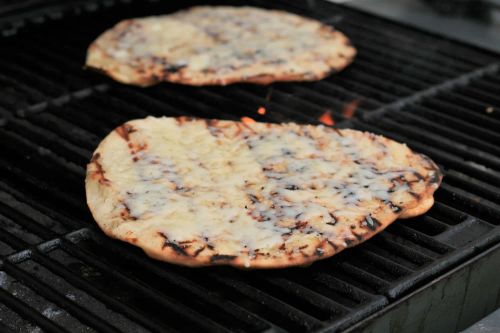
(217, 44)
(244, 190)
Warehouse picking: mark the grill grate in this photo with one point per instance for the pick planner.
(440, 99)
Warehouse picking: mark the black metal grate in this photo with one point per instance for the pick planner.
(59, 273)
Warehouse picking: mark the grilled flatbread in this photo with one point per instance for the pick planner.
(206, 192)
(220, 45)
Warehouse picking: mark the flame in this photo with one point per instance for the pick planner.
(350, 109)
(247, 120)
(261, 110)
(326, 118)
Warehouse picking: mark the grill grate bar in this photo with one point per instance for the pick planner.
(447, 214)
(29, 313)
(419, 258)
(405, 48)
(441, 65)
(420, 238)
(60, 100)
(378, 67)
(270, 303)
(191, 287)
(31, 78)
(8, 237)
(388, 264)
(160, 298)
(98, 294)
(50, 140)
(461, 80)
(450, 145)
(316, 304)
(484, 189)
(381, 92)
(327, 12)
(53, 295)
(467, 118)
(480, 91)
(419, 120)
(457, 97)
(6, 329)
(12, 99)
(370, 279)
(26, 216)
(485, 207)
(41, 188)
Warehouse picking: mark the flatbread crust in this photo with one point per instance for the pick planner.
(219, 45)
(206, 192)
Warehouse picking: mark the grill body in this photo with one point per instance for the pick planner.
(59, 273)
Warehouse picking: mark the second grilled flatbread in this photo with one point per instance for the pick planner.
(220, 45)
(198, 192)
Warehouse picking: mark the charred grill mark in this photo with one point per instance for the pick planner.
(141, 147)
(292, 187)
(358, 236)
(418, 175)
(334, 219)
(198, 251)
(212, 127)
(126, 213)
(300, 225)
(415, 195)
(172, 69)
(338, 131)
(186, 242)
(392, 206)
(332, 244)
(221, 257)
(282, 247)
(174, 246)
(431, 166)
(183, 119)
(239, 124)
(303, 247)
(100, 171)
(372, 223)
(124, 131)
(253, 198)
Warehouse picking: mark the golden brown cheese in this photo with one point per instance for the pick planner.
(220, 45)
(202, 192)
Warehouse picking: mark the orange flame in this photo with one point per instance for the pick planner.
(326, 118)
(247, 120)
(261, 110)
(350, 109)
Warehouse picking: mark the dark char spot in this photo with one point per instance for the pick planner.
(174, 246)
(372, 223)
(173, 68)
(221, 257)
